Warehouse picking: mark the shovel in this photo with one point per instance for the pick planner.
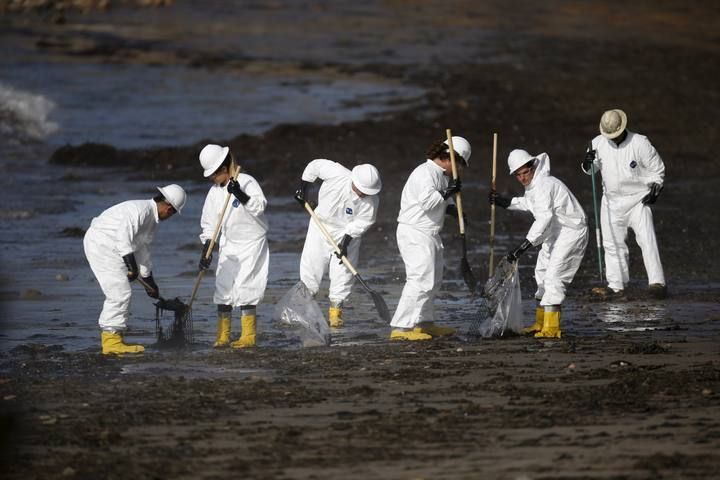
(467, 274)
(380, 304)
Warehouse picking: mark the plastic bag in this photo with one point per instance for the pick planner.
(500, 304)
(298, 309)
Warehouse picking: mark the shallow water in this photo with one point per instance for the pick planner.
(134, 106)
(49, 294)
(51, 297)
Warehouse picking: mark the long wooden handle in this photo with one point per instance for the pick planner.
(492, 206)
(329, 238)
(458, 198)
(236, 171)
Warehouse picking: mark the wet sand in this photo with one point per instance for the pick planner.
(631, 391)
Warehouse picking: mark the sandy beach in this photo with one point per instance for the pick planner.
(631, 391)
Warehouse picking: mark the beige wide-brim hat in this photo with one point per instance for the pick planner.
(613, 123)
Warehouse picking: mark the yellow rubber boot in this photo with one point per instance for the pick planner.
(247, 335)
(112, 344)
(335, 317)
(539, 320)
(411, 335)
(223, 330)
(436, 330)
(551, 325)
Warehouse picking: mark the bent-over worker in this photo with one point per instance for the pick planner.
(347, 206)
(117, 247)
(560, 226)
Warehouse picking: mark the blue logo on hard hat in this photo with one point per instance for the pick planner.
(236, 203)
(633, 164)
(348, 210)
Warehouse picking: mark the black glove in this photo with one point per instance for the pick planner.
(653, 195)
(204, 263)
(515, 254)
(588, 160)
(496, 199)
(454, 187)
(131, 265)
(301, 193)
(343, 247)
(151, 287)
(234, 188)
(451, 210)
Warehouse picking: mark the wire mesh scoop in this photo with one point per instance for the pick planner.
(177, 334)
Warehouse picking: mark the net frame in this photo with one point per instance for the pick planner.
(180, 331)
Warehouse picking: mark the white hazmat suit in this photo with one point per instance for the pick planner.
(128, 227)
(343, 212)
(242, 268)
(560, 226)
(421, 218)
(627, 172)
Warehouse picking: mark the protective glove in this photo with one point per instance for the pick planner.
(204, 263)
(151, 287)
(451, 210)
(343, 247)
(132, 267)
(588, 160)
(234, 188)
(515, 254)
(301, 193)
(496, 199)
(652, 196)
(453, 187)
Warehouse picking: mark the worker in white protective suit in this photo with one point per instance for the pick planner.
(347, 206)
(632, 178)
(242, 267)
(426, 199)
(560, 226)
(117, 247)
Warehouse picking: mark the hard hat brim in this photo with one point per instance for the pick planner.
(368, 191)
(216, 164)
(617, 133)
(167, 199)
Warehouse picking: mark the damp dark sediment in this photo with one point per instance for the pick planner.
(630, 391)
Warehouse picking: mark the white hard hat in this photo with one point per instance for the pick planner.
(366, 178)
(462, 148)
(211, 157)
(175, 195)
(613, 123)
(517, 159)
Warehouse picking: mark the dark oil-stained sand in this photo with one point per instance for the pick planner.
(632, 391)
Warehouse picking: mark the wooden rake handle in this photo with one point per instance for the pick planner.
(458, 198)
(329, 238)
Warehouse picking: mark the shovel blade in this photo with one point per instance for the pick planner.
(381, 307)
(467, 274)
(380, 304)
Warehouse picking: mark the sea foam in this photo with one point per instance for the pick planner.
(25, 115)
